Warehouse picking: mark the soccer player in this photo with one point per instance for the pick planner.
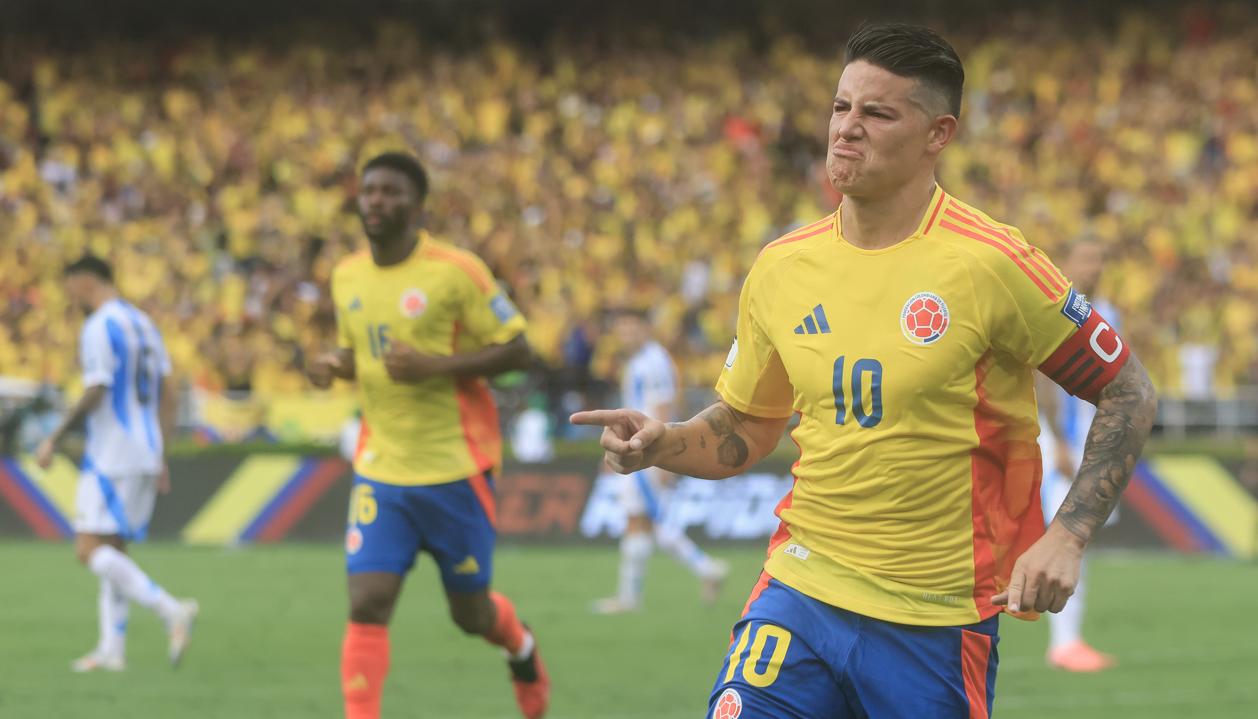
(129, 407)
(421, 324)
(904, 330)
(1064, 422)
(649, 385)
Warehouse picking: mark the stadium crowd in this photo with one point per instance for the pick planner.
(219, 178)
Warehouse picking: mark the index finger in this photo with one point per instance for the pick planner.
(596, 417)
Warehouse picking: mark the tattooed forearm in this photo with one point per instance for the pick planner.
(732, 450)
(1124, 416)
(718, 442)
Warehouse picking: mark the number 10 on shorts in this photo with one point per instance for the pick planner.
(752, 673)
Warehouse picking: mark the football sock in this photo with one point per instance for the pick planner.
(108, 563)
(1066, 627)
(364, 665)
(113, 610)
(507, 631)
(635, 550)
(680, 547)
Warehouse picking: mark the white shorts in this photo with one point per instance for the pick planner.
(115, 505)
(644, 494)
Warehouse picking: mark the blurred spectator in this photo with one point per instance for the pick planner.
(218, 178)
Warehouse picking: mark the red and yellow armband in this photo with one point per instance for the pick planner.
(1091, 357)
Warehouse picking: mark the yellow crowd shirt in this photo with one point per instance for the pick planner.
(917, 484)
(441, 300)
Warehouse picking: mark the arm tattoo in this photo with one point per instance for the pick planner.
(732, 450)
(1124, 417)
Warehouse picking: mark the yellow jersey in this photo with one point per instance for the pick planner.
(441, 300)
(910, 367)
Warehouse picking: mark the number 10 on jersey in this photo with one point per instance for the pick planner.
(860, 368)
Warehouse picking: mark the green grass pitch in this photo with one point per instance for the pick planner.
(269, 640)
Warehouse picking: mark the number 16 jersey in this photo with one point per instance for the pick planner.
(910, 368)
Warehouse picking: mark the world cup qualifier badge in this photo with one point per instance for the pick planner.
(729, 705)
(413, 303)
(924, 318)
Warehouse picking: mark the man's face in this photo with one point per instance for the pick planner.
(386, 203)
(79, 288)
(1083, 266)
(631, 331)
(882, 131)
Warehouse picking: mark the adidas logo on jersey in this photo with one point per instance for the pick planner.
(814, 324)
(355, 304)
(467, 566)
(797, 550)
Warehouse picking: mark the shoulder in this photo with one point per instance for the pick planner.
(995, 247)
(976, 234)
(93, 327)
(466, 263)
(350, 266)
(792, 243)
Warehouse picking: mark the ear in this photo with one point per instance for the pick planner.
(942, 129)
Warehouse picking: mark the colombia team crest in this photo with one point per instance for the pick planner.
(729, 705)
(413, 302)
(924, 318)
(353, 540)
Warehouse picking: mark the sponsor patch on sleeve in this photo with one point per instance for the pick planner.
(502, 307)
(733, 354)
(1077, 308)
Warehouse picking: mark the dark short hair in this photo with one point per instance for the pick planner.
(405, 164)
(91, 265)
(911, 51)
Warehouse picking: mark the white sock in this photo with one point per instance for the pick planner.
(1066, 626)
(635, 549)
(113, 611)
(108, 563)
(526, 648)
(678, 545)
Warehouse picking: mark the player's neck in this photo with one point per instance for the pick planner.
(394, 250)
(101, 298)
(876, 223)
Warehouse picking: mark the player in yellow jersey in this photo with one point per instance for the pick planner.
(903, 330)
(421, 324)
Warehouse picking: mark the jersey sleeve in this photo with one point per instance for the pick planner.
(96, 356)
(754, 380)
(489, 317)
(1041, 320)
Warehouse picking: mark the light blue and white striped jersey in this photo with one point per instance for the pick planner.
(650, 380)
(1076, 414)
(119, 348)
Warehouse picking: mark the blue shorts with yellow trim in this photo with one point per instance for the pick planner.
(389, 525)
(794, 657)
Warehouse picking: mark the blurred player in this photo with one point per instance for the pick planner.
(1064, 422)
(129, 407)
(904, 329)
(420, 324)
(649, 385)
